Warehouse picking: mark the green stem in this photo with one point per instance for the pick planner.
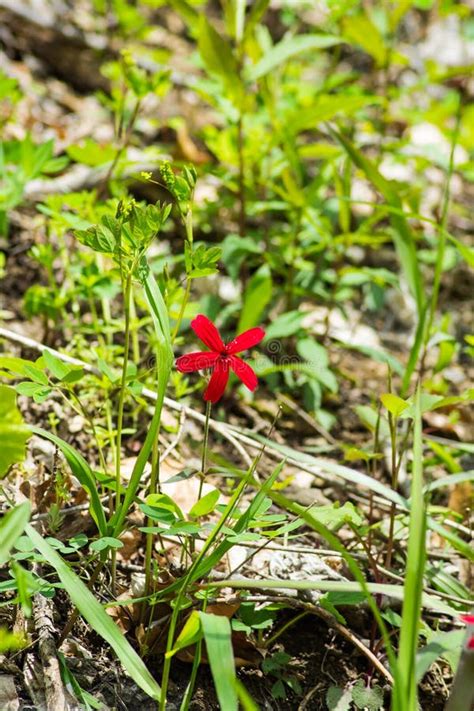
(123, 388)
(121, 404)
(283, 629)
(204, 448)
(133, 330)
(155, 465)
(188, 225)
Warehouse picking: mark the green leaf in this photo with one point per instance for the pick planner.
(368, 698)
(439, 644)
(361, 30)
(13, 432)
(285, 325)
(190, 634)
(218, 636)
(106, 542)
(257, 295)
(205, 505)
(334, 516)
(217, 53)
(12, 525)
(91, 153)
(325, 108)
(84, 474)
(394, 404)
(164, 502)
(95, 615)
(338, 699)
(287, 49)
(56, 366)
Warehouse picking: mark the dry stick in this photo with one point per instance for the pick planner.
(272, 596)
(56, 695)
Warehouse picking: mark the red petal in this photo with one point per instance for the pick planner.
(468, 619)
(208, 333)
(218, 381)
(470, 643)
(247, 339)
(244, 372)
(196, 361)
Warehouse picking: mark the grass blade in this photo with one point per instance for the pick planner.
(218, 636)
(404, 693)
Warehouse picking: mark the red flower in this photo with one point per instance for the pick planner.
(221, 357)
(469, 620)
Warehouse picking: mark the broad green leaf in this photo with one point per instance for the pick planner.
(57, 367)
(12, 525)
(101, 544)
(334, 516)
(14, 365)
(95, 615)
(439, 644)
(285, 325)
(287, 49)
(163, 501)
(205, 505)
(366, 697)
(190, 634)
(91, 153)
(338, 699)
(218, 636)
(13, 432)
(361, 30)
(394, 404)
(84, 474)
(257, 295)
(217, 53)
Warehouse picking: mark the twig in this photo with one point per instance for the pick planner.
(330, 621)
(56, 696)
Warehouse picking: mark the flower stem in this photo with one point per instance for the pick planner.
(121, 404)
(123, 387)
(204, 448)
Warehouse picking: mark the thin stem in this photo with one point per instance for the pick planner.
(393, 442)
(121, 404)
(133, 330)
(242, 201)
(441, 241)
(123, 384)
(155, 466)
(204, 448)
(188, 225)
(125, 141)
(284, 627)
